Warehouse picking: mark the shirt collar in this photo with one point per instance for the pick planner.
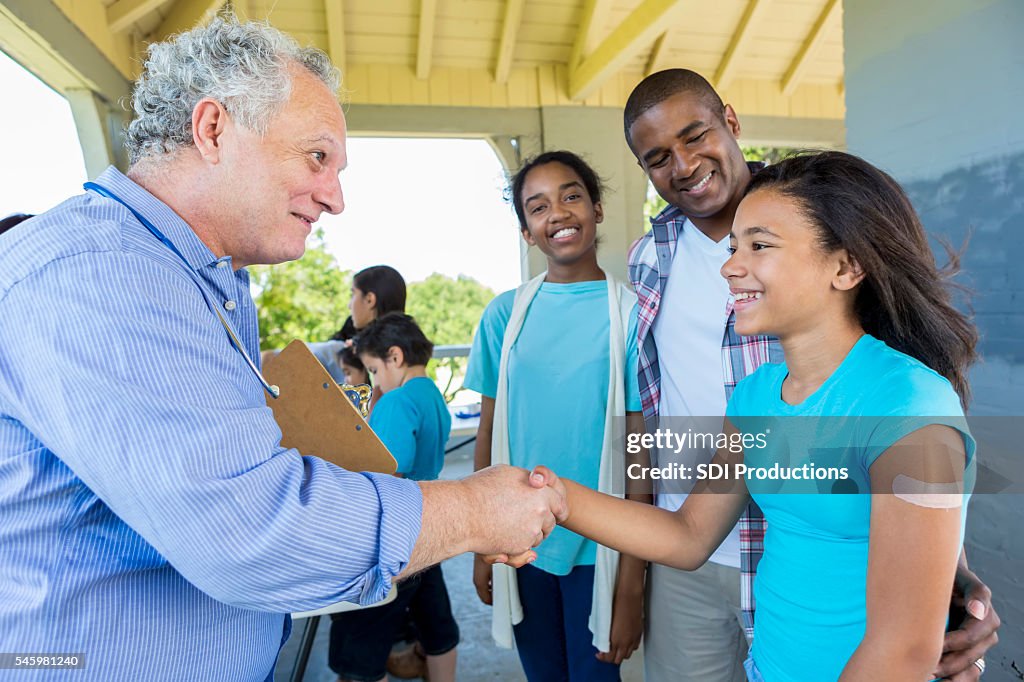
(196, 253)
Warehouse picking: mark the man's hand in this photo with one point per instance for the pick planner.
(510, 514)
(976, 634)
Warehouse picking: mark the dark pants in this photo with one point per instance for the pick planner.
(361, 640)
(553, 639)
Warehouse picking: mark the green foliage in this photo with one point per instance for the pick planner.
(654, 204)
(448, 311)
(303, 299)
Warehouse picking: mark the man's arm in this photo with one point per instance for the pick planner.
(494, 511)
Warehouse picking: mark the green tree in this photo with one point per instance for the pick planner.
(654, 204)
(303, 299)
(448, 311)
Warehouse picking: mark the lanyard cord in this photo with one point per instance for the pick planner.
(274, 391)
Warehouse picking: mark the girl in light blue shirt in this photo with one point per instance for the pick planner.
(555, 364)
(856, 447)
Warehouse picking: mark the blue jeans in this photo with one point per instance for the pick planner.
(753, 674)
(553, 639)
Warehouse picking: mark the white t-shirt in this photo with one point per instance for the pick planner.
(688, 332)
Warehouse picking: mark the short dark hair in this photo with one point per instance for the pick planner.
(384, 282)
(661, 85)
(905, 299)
(395, 329)
(12, 220)
(591, 180)
(348, 356)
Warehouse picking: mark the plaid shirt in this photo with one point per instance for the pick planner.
(650, 260)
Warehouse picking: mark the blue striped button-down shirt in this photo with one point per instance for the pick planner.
(149, 518)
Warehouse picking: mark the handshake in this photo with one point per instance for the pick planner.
(515, 510)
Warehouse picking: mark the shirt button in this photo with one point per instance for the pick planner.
(222, 264)
(229, 305)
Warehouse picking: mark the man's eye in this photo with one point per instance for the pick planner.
(699, 137)
(659, 162)
(319, 156)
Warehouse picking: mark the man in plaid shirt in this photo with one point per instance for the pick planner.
(690, 359)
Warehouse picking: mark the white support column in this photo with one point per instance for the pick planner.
(98, 131)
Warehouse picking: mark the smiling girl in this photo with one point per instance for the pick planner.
(829, 256)
(555, 364)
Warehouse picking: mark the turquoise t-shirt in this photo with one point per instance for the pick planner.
(557, 391)
(413, 422)
(811, 584)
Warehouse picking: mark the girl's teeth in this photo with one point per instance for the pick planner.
(746, 296)
(565, 232)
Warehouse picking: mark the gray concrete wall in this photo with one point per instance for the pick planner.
(935, 95)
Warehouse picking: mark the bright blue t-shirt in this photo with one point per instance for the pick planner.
(413, 422)
(557, 391)
(811, 584)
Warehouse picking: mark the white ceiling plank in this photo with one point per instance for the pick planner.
(819, 33)
(740, 39)
(509, 34)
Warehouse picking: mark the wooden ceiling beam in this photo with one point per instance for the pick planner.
(335, 11)
(123, 13)
(744, 32)
(425, 42)
(819, 32)
(636, 33)
(509, 35)
(656, 60)
(592, 22)
(185, 15)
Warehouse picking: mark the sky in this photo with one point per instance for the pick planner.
(419, 205)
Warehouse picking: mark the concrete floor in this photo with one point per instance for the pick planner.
(480, 659)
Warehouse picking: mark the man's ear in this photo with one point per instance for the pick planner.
(209, 120)
(849, 273)
(732, 121)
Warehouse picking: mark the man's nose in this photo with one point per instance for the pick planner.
(683, 163)
(330, 195)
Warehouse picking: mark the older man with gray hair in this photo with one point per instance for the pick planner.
(152, 526)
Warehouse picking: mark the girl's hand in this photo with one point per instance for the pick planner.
(627, 622)
(515, 561)
(482, 578)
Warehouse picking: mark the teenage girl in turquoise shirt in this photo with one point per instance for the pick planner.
(830, 257)
(559, 389)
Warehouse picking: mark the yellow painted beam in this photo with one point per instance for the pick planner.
(123, 13)
(335, 11)
(592, 23)
(184, 15)
(425, 43)
(656, 60)
(241, 10)
(635, 33)
(509, 33)
(819, 32)
(744, 32)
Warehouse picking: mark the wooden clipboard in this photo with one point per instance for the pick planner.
(316, 418)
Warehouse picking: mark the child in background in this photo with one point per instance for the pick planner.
(376, 291)
(412, 419)
(352, 367)
(555, 363)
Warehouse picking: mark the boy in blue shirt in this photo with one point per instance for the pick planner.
(412, 419)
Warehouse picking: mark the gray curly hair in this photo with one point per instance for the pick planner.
(242, 66)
